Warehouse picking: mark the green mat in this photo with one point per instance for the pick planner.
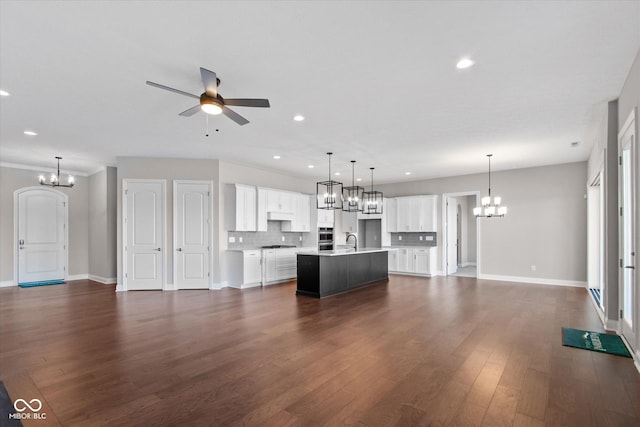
(594, 341)
(43, 283)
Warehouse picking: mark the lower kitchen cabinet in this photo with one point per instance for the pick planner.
(244, 268)
(419, 261)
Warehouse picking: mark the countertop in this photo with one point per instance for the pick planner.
(344, 252)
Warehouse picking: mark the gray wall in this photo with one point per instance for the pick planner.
(12, 179)
(102, 224)
(546, 225)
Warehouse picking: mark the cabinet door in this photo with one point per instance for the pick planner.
(272, 200)
(404, 214)
(249, 209)
(261, 216)
(305, 213)
(325, 218)
(415, 213)
(405, 260)
(349, 222)
(421, 261)
(286, 201)
(428, 213)
(391, 212)
(393, 260)
(269, 265)
(252, 268)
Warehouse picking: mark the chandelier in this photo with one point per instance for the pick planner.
(372, 199)
(329, 192)
(54, 180)
(352, 196)
(490, 208)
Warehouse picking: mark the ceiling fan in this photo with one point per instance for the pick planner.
(211, 102)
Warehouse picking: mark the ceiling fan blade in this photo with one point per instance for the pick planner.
(191, 111)
(210, 82)
(248, 102)
(170, 89)
(235, 116)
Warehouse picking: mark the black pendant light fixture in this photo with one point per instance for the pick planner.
(372, 200)
(329, 193)
(54, 180)
(352, 196)
(490, 208)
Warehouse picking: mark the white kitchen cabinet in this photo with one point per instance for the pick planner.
(349, 222)
(416, 213)
(423, 261)
(405, 260)
(261, 215)
(240, 207)
(244, 268)
(268, 266)
(404, 214)
(428, 213)
(286, 263)
(279, 201)
(391, 213)
(301, 222)
(325, 218)
(393, 259)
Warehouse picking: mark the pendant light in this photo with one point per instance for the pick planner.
(352, 196)
(490, 208)
(329, 193)
(372, 199)
(54, 180)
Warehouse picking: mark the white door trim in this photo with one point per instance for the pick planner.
(631, 121)
(444, 230)
(209, 184)
(16, 218)
(163, 184)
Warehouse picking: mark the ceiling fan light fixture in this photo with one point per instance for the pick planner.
(209, 106)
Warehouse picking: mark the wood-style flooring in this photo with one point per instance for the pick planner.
(410, 351)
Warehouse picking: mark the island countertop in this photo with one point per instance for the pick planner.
(336, 252)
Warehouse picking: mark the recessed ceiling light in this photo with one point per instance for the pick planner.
(4, 93)
(407, 173)
(337, 173)
(298, 117)
(30, 133)
(464, 63)
(358, 179)
(310, 166)
(276, 157)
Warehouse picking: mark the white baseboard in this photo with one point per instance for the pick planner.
(78, 277)
(468, 264)
(246, 286)
(120, 288)
(610, 325)
(534, 280)
(103, 280)
(7, 283)
(169, 287)
(215, 286)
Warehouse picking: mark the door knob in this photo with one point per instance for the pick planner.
(179, 249)
(630, 266)
(157, 249)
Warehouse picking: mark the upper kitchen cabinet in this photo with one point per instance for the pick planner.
(350, 222)
(325, 218)
(416, 213)
(301, 222)
(240, 207)
(279, 201)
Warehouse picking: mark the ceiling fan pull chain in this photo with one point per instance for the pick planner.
(206, 117)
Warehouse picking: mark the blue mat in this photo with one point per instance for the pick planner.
(43, 283)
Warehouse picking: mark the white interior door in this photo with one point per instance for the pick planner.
(192, 225)
(144, 241)
(627, 184)
(41, 235)
(593, 236)
(452, 236)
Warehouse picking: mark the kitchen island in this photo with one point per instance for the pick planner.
(325, 273)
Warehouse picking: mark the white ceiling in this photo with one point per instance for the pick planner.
(376, 81)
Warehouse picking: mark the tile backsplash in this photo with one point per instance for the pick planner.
(413, 239)
(255, 239)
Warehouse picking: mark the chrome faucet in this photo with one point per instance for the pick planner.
(355, 244)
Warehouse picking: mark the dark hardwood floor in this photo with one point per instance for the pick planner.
(412, 351)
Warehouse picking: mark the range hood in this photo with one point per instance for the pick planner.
(279, 216)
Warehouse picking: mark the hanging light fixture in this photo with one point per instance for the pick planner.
(329, 193)
(372, 200)
(490, 208)
(54, 180)
(352, 196)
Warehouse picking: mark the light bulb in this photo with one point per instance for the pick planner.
(211, 108)
(497, 200)
(486, 201)
(477, 211)
(41, 178)
(71, 179)
(54, 178)
(502, 210)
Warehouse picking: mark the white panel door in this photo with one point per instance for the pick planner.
(452, 236)
(627, 186)
(144, 243)
(192, 227)
(41, 235)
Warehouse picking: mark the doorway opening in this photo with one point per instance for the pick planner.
(461, 253)
(595, 241)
